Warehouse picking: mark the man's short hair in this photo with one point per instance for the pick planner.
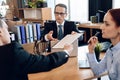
(61, 5)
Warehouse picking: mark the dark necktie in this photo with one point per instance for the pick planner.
(60, 33)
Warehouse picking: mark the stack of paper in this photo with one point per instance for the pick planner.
(68, 39)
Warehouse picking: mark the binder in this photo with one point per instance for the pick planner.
(23, 35)
(27, 33)
(35, 31)
(16, 30)
(30, 31)
(38, 31)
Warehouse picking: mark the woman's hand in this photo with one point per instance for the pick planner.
(92, 43)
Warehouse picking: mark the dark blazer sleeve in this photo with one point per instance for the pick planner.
(37, 63)
(70, 26)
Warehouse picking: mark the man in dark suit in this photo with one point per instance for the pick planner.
(16, 63)
(51, 31)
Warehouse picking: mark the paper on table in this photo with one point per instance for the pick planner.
(68, 39)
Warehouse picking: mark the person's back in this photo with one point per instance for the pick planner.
(6, 61)
(10, 68)
(16, 63)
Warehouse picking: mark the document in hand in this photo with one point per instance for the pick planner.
(68, 39)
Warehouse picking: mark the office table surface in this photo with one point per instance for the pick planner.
(68, 71)
(90, 25)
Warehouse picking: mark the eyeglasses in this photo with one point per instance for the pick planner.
(57, 13)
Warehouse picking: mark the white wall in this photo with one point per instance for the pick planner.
(77, 9)
(116, 3)
(51, 4)
(3, 8)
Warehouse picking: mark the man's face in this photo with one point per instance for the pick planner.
(60, 14)
(4, 34)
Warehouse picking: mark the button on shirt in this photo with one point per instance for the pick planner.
(110, 63)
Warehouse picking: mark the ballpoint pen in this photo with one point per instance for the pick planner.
(96, 34)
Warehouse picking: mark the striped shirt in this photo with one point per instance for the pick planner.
(110, 63)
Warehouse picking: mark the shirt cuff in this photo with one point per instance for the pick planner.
(46, 38)
(67, 52)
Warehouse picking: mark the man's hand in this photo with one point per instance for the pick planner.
(49, 36)
(73, 32)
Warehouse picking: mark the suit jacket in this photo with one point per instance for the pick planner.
(69, 26)
(16, 63)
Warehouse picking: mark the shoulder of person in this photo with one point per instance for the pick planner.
(50, 22)
(70, 21)
(16, 44)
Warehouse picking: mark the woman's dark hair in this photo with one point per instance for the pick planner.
(61, 5)
(115, 13)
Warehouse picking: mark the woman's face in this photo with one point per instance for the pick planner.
(109, 29)
(4, 34)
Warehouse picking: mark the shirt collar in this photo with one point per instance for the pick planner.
(112, 50)
(60, 24)
(116, 47)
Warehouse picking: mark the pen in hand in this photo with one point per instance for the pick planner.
(96, 34)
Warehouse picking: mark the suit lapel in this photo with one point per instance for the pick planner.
(65, 28)
(55, 29)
